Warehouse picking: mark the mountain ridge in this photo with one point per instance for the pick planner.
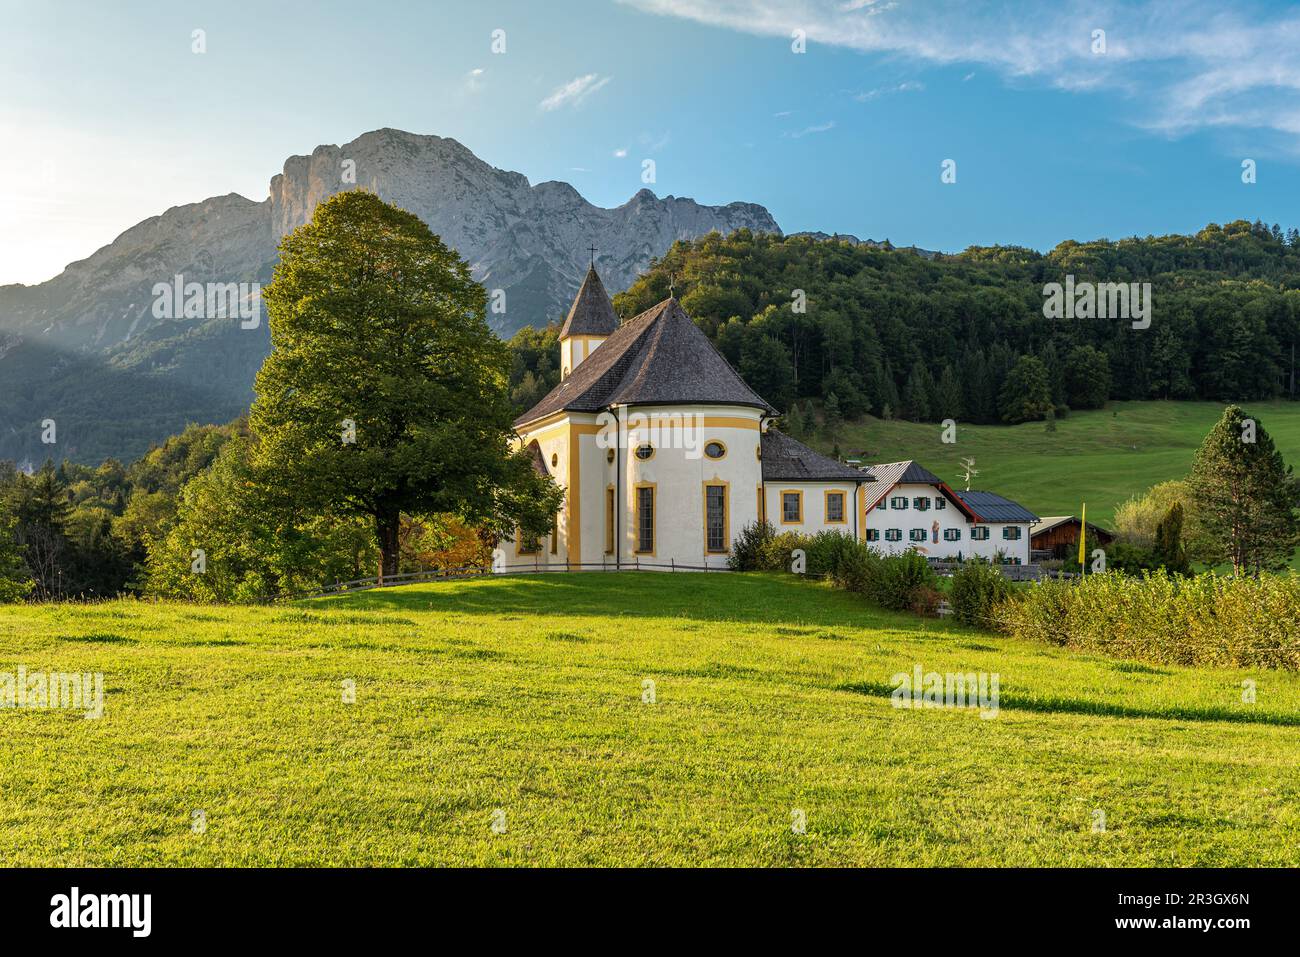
(95, 320)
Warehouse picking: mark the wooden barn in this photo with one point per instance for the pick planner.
(1058, 537)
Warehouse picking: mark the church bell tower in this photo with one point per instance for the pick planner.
(590, 322)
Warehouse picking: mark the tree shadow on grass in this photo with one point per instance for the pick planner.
(101, 638)
(1101, 709)
(754, 598)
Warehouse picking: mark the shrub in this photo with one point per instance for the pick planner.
(826, 550)
(747, 548)
(777, 551)
(759, 549)
(1207, 620)
(898, 582)
(1133, 559)
(977, 589)
(925, 601)
(858, 570)
(900, 577)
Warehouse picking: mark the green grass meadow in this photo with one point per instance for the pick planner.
(1102, 457)
(524, 695)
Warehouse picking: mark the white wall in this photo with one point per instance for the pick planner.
(814, 506)
(678, 470)
(574, 350)
(554, 440)
(950, 517)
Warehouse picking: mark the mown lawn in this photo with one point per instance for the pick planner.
(524, 695)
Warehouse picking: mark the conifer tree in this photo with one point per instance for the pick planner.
(889, 394)
(947, 396)
(917, 396)
(15, 581)
(795, 424)
(1245, 496)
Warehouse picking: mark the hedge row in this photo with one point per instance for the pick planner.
(897, 582)
(1206, 620)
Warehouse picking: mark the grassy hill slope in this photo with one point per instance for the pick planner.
(525, 695)
(1101, 457)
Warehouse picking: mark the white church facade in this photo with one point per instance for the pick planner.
(665, 454)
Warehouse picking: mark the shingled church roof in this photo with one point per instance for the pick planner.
(659, 357)
(788, 460)
(592, 314)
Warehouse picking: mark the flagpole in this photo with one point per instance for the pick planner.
(1083, 536)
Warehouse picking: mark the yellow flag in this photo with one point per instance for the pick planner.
(1083, 534)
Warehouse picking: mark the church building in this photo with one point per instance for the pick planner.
(665, 453)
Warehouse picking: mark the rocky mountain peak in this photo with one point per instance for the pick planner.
(67, 343)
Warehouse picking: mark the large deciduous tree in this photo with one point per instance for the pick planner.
(1026, 394)
(1245, 496)
(1087, 378)
(385, 391)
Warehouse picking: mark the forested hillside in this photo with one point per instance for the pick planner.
(894, 334)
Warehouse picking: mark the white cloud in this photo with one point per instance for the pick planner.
(620, 153)
(574, 92)
(819, 128)
(1183, 64)
(908, 86)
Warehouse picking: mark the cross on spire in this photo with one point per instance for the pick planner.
(593, 256)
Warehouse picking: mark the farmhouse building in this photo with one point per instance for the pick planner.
(1057, 536)
(665, 454)
(912, 508)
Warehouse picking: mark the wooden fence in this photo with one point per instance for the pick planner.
(1015, 573)
(479, 571)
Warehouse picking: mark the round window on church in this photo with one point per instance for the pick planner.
(715, 450)
(644, 452)
(555, 460)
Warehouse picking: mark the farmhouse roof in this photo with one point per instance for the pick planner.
(911, 473)
(788, 460)
(1051, 522)
(592, 314)
(659, 357)
(992, 507)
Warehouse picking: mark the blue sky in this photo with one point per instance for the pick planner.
(108, 117)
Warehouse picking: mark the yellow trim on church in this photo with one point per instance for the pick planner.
(654, 518)
(726, 515)
(573, 496)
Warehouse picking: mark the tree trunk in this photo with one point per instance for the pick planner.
(387, 525)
